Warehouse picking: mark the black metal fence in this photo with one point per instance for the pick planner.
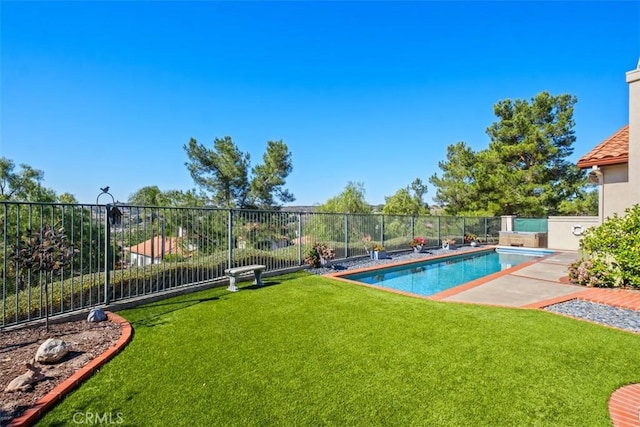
(123, 252)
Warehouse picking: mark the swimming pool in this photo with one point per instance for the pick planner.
(433, 276)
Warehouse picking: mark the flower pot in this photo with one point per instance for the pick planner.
(379, 254)
(417, 248)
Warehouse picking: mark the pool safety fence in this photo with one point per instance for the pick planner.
(117, 252)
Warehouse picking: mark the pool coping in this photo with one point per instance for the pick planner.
(440, 295)
(35, 412)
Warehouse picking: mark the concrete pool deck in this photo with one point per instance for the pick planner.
(537, 285)
(533, 284)
(528, 286)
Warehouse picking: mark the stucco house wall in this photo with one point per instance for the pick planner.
(565, 232)
(614, 192)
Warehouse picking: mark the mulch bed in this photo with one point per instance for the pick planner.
(18, 347)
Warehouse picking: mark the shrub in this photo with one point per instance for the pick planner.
(169, 258)
(612, 253)
(318, 255)
(596, 272)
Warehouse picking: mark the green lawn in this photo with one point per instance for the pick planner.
(308, 350)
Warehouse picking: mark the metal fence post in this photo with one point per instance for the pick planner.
(229, 238)
(485, 229)
(464, 226)
(413, 227)
(299, 239)
(346, 235)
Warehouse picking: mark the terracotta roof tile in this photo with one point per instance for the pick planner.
(613, 150)
(172, 245)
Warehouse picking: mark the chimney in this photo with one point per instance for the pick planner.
(633, 79)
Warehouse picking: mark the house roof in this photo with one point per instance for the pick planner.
(612, 151)
(172, 245)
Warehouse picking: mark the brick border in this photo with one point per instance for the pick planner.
(624, 406)
(34, 413)
(624, 403)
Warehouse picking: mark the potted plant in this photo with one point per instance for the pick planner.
(471, 239)
(448, 244)
(378, 252)
(417, 244)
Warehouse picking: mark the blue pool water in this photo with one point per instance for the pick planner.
(430, 277)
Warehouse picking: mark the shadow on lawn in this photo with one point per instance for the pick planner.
(166, 308)
(158, 309)
(258, 287)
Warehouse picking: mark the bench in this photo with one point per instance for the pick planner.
(233, 274)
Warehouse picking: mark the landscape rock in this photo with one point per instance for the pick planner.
(52, 350)
(97, 315)
(25, 381)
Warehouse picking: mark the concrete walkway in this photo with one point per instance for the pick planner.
(523, 286)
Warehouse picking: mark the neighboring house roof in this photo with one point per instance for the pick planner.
(612, 151)
(172, 245)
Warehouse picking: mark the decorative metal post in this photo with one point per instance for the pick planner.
(107, 244)
(107, 241)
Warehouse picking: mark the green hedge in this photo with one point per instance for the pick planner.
(88, 290)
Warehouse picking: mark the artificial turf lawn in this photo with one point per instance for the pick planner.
(308, 350)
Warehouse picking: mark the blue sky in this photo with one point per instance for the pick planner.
(107, 93)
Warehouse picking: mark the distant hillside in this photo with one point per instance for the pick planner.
(299, 208)
(434, 210)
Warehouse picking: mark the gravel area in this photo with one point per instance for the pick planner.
(622, 318)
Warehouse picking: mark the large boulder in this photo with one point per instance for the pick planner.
(51, 351)
(97, 315)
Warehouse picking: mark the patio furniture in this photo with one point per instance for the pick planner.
(235, 272)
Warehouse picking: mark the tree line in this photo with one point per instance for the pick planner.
(524, 171)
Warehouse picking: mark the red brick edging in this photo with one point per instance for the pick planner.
(624, 406)
(624, 403)
(33, 414)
